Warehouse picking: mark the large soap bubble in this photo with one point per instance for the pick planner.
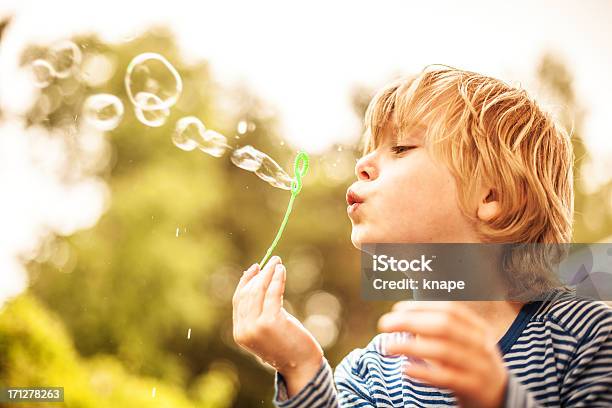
(151, 73)
(103, 111)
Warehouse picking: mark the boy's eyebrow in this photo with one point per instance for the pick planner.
(412, 133)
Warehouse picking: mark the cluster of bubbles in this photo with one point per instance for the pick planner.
(190, 133)
(61, 60)
(153, 86)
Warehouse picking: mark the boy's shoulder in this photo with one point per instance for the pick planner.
(578, 317)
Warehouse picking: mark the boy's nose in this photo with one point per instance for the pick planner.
(365, 169)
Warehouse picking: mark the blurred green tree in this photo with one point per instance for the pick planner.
(592, 209)
(31, 335)
(181, 226)
(179, 229)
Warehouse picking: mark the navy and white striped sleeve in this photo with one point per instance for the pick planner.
(517, 395)
(588, 379)
(319, 392)
(349, 391)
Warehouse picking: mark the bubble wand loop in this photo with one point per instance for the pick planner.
(300, 167)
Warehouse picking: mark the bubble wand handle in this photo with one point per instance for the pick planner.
(300, 167)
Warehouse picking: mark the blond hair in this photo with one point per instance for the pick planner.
(489, 133)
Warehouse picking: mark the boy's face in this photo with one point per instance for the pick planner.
(406, 196)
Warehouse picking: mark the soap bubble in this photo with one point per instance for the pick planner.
(214, 143)
(242, 127)
(65, 57)
(43, 73)
(247, 158)
(151, 73)
(188, 133)
(103, 111)
(274, 174)
(245, 126)
(251, 159)
(150, 117)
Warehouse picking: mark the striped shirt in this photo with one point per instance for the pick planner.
(557, 352)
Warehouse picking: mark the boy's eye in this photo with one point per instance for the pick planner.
(401, 149)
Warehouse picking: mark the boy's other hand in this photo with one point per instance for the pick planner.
(458, 349)
(264, 328)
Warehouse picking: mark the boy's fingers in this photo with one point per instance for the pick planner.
(262, 269)
(258, 286)
(240, 301)
(430, 348)
(429, 324)
(246, 277)
(440, 376)
(274, 294)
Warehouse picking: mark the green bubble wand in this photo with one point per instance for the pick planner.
(300, 167)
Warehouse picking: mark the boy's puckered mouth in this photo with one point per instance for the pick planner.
(352, 197)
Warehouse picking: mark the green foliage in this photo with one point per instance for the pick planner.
(593, 218)
(132, 288)
(36, 351)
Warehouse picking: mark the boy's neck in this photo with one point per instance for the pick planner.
(499, 314)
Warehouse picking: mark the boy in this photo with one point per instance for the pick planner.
(451, 156)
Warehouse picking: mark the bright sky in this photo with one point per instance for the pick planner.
(305, 58)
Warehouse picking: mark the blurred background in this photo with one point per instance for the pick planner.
(119, 252)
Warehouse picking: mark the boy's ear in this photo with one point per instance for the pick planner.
(488, 205)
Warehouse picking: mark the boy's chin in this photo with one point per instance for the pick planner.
(358, 237)
(355, 239)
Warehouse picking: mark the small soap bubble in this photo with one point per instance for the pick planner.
(242, 127)
(103, 111)
(214, 143)
(65, 57)
(153, 74)
(272, 173)
(43, 73)
(247, 158)
(188, 133)
(150, 117)
(189, 334)
(245, 126)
